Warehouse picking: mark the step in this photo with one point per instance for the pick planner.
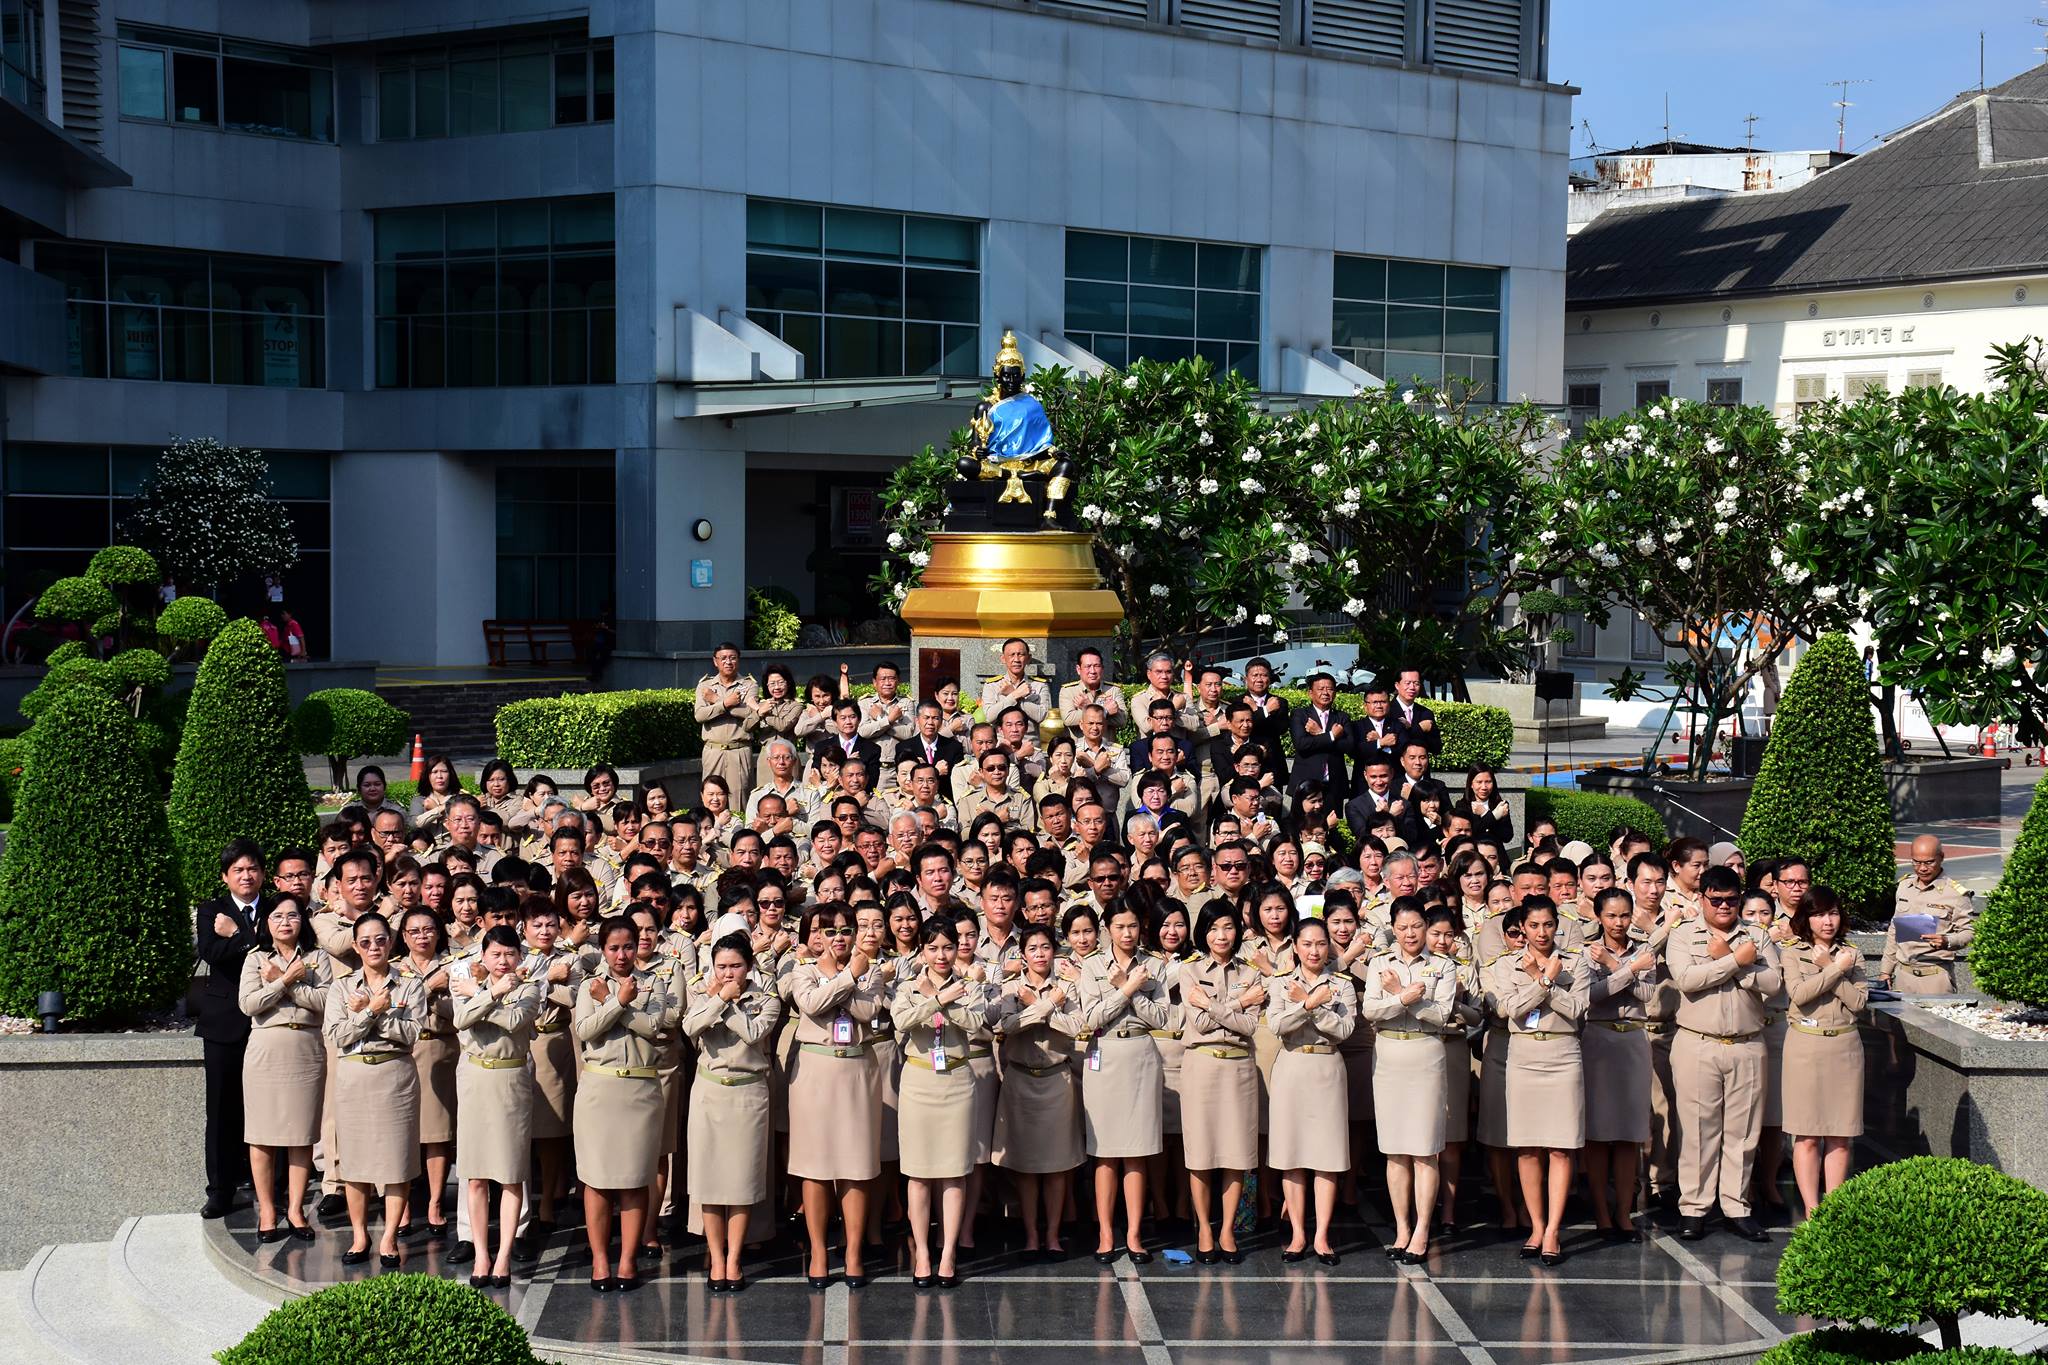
(161, 1262)
(80, 1315)
(18, 1342)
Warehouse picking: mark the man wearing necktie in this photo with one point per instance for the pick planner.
(226, 929)
(1322, 737)
(1420, 720)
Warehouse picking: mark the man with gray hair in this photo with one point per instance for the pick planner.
(459, 829)
(1159, 687)
(798, 799)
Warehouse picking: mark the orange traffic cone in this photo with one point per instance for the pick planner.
(419, 759)
(1990, 749)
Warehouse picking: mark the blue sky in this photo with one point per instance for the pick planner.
(1773, 58)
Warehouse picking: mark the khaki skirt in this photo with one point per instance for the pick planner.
(937, 1111)
(618, 1130)
(1219, 1112)
(1774, 1071)
(435, 1058)
(1546, 1091)
(495, 1137)
(1038, 1120)
(1617, 1067)
(283, 1074)
(835, 1116)
(1122, 1097)
(729, 1136)
(377, 1118)
(987, 1089)
(1311, 1123)
(1408, 1095)
(778, 1071)
(1170, 1050)
(1824, 1084)
(1457, 1088)
(674, 1075)
(885, 1056)
(554, 1084)
(1493, 1088)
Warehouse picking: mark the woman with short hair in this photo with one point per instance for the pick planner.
(1823, 1048)
(495, 1009)
(1222, 996)
(732, 1022)
(618, 1021)
(936, 1012)
(1315, 1011)
(372, 1021)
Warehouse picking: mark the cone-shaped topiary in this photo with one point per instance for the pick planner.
(90, 900)
(1927, 1238)
(2009, 955)
(238, 772)
(1820, 792)
(391, 1320)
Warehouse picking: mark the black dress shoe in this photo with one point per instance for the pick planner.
(1294, 1257)
(1106, 1257)
(735, 1286)
(501, 1281)
(1414, 1257)
(1635, 1236)
(216, 1208)
(462, 1253)
(300, 1231)
(627, 1283)
(1329, 1258)
(1209, 1257)
(524, 1250)
(1531, 1251)
(1393, 1253)
(1691, 1228)
(479, 1282)
(819, 1281)
(1139, 1257)
(1234, 1257)
(331, 1206)
(1553, 1258)
(921, 1281)
(949, 1281)
(388, 1261)
(437, 1232)
(355, 1257)
(405, 1230)
(269, 1235)
(1746, 1228)
(604, 1284)
(857, 1281)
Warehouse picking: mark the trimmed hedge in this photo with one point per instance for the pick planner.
(1592, 816)
(579, 729)
(190, 620)
(1820, 792)
(13, 756)
(389, 1320)
(1927, 1238)
(238, 773)
(77, 598)
(1844, 1346)
(90, 900)
(1474, 735)
(341, 723)
(2009, 955)
(123, 566)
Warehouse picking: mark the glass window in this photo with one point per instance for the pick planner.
(1418, 321)
(244, 87)
(511, 87)
(278, 100)
(528, 100)
(473, 96)
(496, 294)
(862, 293)
(555, 540)
(1156, 298)
(394, 105)
(1649, 391)
(195, 88)
(1724, 393)
(192, 318)
(142, 82)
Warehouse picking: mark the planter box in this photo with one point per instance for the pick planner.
(1932, 1087)
(1537, 722)
(642, 668)
(1947, 789)
(101, 1127)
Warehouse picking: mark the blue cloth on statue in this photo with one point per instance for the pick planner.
(1018, 429)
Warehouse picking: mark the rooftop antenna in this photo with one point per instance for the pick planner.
(1749, 138)
(2037, 22)
(1667, 120)
(1842, 106)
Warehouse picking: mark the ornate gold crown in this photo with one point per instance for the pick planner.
(1008, 354)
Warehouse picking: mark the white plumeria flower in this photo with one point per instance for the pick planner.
(1279, 637)
(1826, 593)
(1150, 521)
(1312, 432)
(1632, 433)
(1685, 563)
(1262, 619)
(1407, 395)
(921, 558)
(1297, 553)
(1201, 419)
(895, 540)
(1321, 470)
(1250, 486)
(1130, 381)
(1091, 513)
(1646, 544)
(1354, 606)
(1205, 439)
(1157, 590)
(1714, 446)
(2004, 659)
(1237, 616)
(1252, 455)
(1548, 537)
(1351, 564)
(1208, 485)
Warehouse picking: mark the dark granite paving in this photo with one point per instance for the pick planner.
(1476, 1302)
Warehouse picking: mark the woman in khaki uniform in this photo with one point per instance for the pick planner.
(1542, 994)
(1409, 997)
(673, 1069)
(554, 1062)
(1221, 997)
(772, 715)
(434, 1055)
(283, 988)
(1316, 1009)
(618, 1021)
(732, 1022)
(1123, 999)
(1350, 951)
(936, 1012)
(835, 1095)
(1468, 1013)
(1493, 1068)
(1038, 1117)
(495, 1006)
(984, 980)
(1824, 1049)
(1623, 977)
(1171, 942)
(372, 1020)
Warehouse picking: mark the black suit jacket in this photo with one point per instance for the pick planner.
(1433, 737)
(216, 1013)
(1392, 735)
(1319, 757)
(1272, 729)
(868, 751)
(949, 751)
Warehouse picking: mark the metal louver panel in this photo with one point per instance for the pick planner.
(1477, 35)
(1122, 9)
(1378, 28)
(1255, 18)
(78, 56)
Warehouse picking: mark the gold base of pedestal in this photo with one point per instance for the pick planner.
(988, 585)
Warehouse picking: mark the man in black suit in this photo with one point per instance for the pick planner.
(1322, 736)
(226, 929)
(845, 740)
(942, 751)
(1269, 712)
(1378, 733)
(1420, 720)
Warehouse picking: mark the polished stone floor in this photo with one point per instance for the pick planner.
(1475, 1301)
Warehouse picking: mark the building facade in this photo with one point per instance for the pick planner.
(547, 312)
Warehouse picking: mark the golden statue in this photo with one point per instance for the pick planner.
(1012, 437)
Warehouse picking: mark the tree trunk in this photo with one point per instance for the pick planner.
(1884, 701)
(337, 769)
(1951, 1331)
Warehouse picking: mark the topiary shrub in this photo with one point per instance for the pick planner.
(76, 599)
(190, 622)
(1927, 1238)
(345, 723)
(772, 622)
(13, 755)
(123, 566)
(581, 728)
(1844, 1346)
(1821, 791)
(238, 773)
(1592, 816)
(2009, 955)
(72, 670)
(390, 1320)
(90, 900)
(138, 668)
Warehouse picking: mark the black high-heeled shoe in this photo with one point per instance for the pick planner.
(479, 1282)
(269, 1235)
(1294, 1257)
(302, 1232)
(1234, 1256)
(949, 1281)
(1329, 1258)
(389, 1260)
(353, 1257)
(1209, 1257)
(819, 1281)
(1395, 1252)
(1139, 1257)
(858, 1281)
(603, 1284)
(1530, 1251)
(1553, 1258)
(626, 1283)
(1107, 1257)
(437, 1232)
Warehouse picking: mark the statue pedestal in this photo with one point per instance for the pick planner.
(984, 587)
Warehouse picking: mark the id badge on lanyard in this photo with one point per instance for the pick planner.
(1095, 1056)
(842, 1030)
(1530, 1021)
(938, 1055)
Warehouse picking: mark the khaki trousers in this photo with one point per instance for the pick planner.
(736, 766)
(1665, 1134)
(1721, 1111)
(1923, 978)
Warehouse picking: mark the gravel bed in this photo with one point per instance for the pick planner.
(2018, 1022)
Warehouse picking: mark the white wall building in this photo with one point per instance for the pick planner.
(1668, 171)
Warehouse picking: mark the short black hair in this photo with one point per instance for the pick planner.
(239, 849)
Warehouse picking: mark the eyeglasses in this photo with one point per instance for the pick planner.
(837, 933)
(1232, 867)
(374, 941)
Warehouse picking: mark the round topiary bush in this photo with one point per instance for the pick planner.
(347, 722)
(1844, 1346)
(1820, 792)
(90, 900)
(238, 773)
(1925, 1239)
(1593, 816)
(391, 1320)
(77, 599)
(190, 621)
(123, 566)
(2009, 955)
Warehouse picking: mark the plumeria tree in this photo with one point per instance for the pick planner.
(207, 515)
(1681, 512)
(1939, 527)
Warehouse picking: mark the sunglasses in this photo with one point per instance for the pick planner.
(1232, 867)
(770, 905)
(837, 933)
(1724, 900)
(374, 941)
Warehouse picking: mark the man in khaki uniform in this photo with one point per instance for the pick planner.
(1926, 965)
(993, 792)
(1011, 688)
(887, 718)
(1096, 755)
(1647, 878)
(723, 702)
(1090, 688)
(1208, 724)
(1725, 972)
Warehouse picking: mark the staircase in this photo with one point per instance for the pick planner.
(460, 717)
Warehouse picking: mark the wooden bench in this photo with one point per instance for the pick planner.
(545, 642)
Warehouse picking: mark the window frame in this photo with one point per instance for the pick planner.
(1238, 353)
(597, 54)
(1724, 402)
(1648, 391)
(1378, 360)
(170, 44)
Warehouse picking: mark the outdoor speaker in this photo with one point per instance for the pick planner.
(1555, 684)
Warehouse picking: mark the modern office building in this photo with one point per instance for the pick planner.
(540, 310)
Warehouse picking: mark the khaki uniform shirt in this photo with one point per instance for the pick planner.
(1034, 698)
(1040, 1035)
(1530, 1004)
(1225, 1023)
(720, 727)
(1117, 774)
(1104, 1007)
(1299, 1026)
(1015, 808)
(876, 725)
(1076, 697)
(1717, 996)
(734, 1037)
(353, 1032)
(499, 1029)
(1432, 1013)
(1954, 909)
(799, 799)
(272, 1004)
(612, 1035)
(819, 1000)
(1620, 995)
(1823, 995)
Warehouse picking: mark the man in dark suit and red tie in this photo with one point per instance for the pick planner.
(226, 929)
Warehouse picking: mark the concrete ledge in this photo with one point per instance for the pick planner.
(101, 1127)
(1933, 1087)
(1948, 789)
